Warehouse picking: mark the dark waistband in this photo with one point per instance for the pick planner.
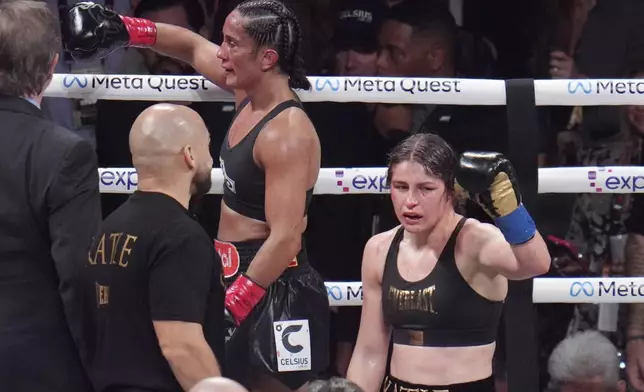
(448, 338)
(128, 389)
(392, 384)
(236, 256)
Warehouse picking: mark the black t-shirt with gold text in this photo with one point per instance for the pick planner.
(152, 261)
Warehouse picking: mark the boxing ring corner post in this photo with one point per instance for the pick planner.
(521, 342)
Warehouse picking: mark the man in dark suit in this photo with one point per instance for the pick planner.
(49, 211)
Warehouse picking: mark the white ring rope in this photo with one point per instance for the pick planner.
(445, 91)
(346, 181)
(545, 290)
(341, 181)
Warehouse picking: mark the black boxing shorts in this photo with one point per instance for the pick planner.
(286, 335)
(392, 384)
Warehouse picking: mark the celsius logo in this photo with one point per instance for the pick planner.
(286, 332)
(579, 85)
(322, 84)
(69, 81)
(577, 288)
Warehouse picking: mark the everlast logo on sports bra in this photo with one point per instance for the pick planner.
(230, 183)
(420, 300)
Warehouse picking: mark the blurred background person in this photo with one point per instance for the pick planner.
(586, 361)
(348, 139)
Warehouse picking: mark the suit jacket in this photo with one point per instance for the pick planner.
(49, 212)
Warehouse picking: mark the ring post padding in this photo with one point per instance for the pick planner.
(523, 149)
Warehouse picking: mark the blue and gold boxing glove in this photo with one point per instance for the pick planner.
(488, 179)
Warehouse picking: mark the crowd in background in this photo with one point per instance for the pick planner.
(454, 39)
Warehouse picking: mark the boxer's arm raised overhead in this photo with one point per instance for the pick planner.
(516, 262)
(189, 47)
(369, 359)
(285, 150)
(95, 32)
(514, 248)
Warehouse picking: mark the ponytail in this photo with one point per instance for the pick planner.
(298, 80)
(297, 74)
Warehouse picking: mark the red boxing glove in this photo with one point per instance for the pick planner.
(142, 32)
(242, 296)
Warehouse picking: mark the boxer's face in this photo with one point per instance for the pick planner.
(419, 199)
(201, 181)
(239, 54)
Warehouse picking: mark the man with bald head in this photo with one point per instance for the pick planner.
(153, 290)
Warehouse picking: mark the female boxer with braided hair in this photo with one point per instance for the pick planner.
(270, 159)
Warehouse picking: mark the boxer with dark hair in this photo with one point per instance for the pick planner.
(436, 283)
(270, 159)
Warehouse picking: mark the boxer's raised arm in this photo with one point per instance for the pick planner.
(515, 262)
(369, 359)
(95, 31)
(189, 47)
(514, 247)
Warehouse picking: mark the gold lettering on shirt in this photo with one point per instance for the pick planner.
(126, 249)
(100, 249)
(114, 239)
(119, 246)
(420, 300)
(102, 295)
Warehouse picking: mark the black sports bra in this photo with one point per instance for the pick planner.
(441, 310)
(244, 181)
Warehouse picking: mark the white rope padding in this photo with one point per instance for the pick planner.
(545, 290)
(346, 181)
(445, 91)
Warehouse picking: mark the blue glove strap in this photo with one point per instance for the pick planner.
(517, 227)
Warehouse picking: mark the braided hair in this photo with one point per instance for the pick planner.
(271, 23)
